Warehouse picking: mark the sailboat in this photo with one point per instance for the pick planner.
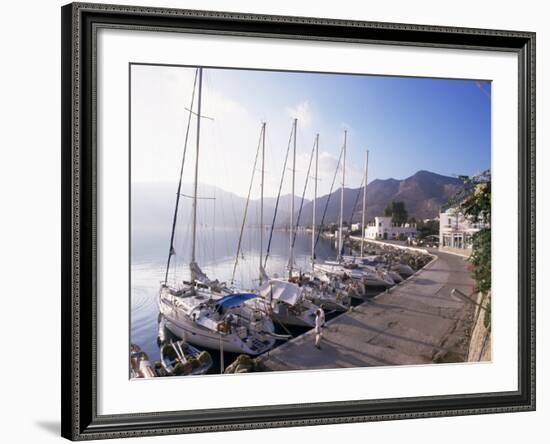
(207, 312)
(328, 293)
(285, 300)
(343, 267)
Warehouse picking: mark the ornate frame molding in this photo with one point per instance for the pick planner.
(79, 392)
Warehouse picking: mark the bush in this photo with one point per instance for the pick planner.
(481, 259)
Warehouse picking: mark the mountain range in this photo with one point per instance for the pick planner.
(423, 194)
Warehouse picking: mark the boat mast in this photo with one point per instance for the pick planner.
(196, 183)
(245, 214)
(340, 231)
(275, 212)
(172, 251)
(262, 204)
(314, 202)
(364, 205)
(291, 255)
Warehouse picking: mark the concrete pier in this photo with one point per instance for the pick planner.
(416, 322)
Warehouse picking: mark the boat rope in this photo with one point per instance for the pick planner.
(303, 195)
(172, 251)
(278, 198)
(329, 195)
(274, 318)
(246, 207)
(356, 200)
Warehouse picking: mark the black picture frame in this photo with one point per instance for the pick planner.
(79, 171)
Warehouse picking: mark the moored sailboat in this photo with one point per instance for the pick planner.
(349, 266)
(285, 300)
(207, 312)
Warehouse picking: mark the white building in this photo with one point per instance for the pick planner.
(383, 228)
(455, 230)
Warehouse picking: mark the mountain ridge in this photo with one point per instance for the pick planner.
(423, 194)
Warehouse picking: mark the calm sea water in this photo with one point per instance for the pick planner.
(216, 251)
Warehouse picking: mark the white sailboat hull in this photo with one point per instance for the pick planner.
(190, 332)
(369, 279)
(183, 326)
(197, 335)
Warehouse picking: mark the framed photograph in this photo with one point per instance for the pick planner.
(278, 221)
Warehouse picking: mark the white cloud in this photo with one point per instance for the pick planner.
(229, 143)
(301, 111)
(327, 164)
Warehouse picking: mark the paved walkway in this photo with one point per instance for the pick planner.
(417, 322)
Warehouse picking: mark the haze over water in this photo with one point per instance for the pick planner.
(216, 256)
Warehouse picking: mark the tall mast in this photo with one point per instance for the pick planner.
(178, 194)
(364, 204)
(314, 202)
(262, 203)
(196, 184)
(291, 255)
(340, 238)
(245, 214)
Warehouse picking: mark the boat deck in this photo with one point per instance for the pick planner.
(416, 322)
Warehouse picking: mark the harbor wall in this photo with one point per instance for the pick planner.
(480, 339)
(388, 244)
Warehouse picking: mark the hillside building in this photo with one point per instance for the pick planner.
(384, 228)
(456, 231)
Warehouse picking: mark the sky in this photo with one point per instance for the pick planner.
(407, 124)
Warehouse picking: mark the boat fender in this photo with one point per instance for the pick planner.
(183, 368)
(204, 357)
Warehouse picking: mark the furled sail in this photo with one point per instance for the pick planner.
(279, 290)
(198, 274)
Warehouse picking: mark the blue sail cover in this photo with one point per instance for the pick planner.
(234, 300)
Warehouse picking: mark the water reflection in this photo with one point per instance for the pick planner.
(148, 267)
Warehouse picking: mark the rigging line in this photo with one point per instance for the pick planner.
(223, 207)
(199, 198)
(356, 200)
(246, 208)
(171, 252)
(186, 233)
(303, 195)
(329, 195)
(194, 113)
(215, 261)
(278, 198)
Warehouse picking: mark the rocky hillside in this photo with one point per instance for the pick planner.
(423, 193)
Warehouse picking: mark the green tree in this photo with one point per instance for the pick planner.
(397, 212)
(474, 201)
(428, 228)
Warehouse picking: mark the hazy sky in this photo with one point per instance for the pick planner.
(408, 124)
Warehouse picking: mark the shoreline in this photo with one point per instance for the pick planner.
(415, 322)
